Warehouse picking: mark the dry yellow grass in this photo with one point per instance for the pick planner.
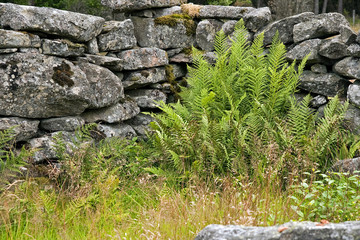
(191, 9)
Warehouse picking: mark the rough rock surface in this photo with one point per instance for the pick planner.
(318, 68)
(145, 77)
(113, 114)
(114, 64)
(24, 129)
(348, 165)
(40, 86)
(140, 123)
(300, 51)
(14, 39)
(353, 93)
(284, 27)
(143, 58)
(62, 48)
(318, 101)
(352, 118)
(319, 26)
(329, 84)
(206, 32)
(117, 130)
(257, 18)
(131, 5)
(354, 50)
(46, 146)
(120, 36)
(294, 230)
(334, 49)
(76, 26)
(147, 98)
(106, 87)
(62, 124)
(348, 67)
(227, 12)
(150, 34)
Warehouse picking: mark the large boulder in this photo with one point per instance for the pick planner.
(174, 34)
(131, 5)
(348, 67)
(144, 77)
(319, 26)
(76, 26)
(258, 18)
(329, 84)
(39, 86)
(143, 58)
(13, 39)
(117, 36)
(116, 113)
(284, 27)
(300, 51)
(290, 230)
(23, 129)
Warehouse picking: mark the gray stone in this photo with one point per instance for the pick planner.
(106, 87)
(158, 12)
(75, 26)
(333, 49)
(179, 70)
(292, 230)
(352, 119)
(147, 98)
(348, 67)
(121, 36)
(318, 101)
(46, 146)
(140, 123)
(30, 50)
(173, 52)
(226, 12)
(62, 124)
(8, 50)
(40, 86)
(113, 114)
(206, 32)
(319, 26)
(92, 46)
(329, 84)
(257, 18)
(300, 51)
(347, 35)
(144, 77)
(210, 57)
(318, 68)
(284, 27)
(131, 5)
(150, 34)
(62, 48)
(348, 165)
(181, 58)
(229, 26)
(13, 39)
(353, 93)
(120, 130)
(23, 129)
(112, 63)
(354, 50)
(143, 58)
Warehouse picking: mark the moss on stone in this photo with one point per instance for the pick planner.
(174, 19)
(187, 51)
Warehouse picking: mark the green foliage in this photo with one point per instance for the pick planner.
(334, 196)
(242, 104)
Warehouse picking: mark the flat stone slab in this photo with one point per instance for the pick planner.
(144, 77)
(24, 129)
(227, 12)
(291, 230)
(147, 98)
(132, 5)
(114, 64)
(76, 26)
(14, 39)
(348, 67)
(143, 58)
(62, 124)
(300, 51)
(62, 48)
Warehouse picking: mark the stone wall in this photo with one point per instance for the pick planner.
(60, 70)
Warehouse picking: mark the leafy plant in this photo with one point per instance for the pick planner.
(334, 196)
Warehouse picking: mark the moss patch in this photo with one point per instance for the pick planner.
(62, 75)
(174, 87)
(174, 19)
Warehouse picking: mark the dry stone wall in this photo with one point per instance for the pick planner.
(60, 70)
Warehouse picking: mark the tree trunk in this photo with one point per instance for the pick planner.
(340, 6)
(316, 8)
(285, 8)
(259, 3)
(325, 6)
